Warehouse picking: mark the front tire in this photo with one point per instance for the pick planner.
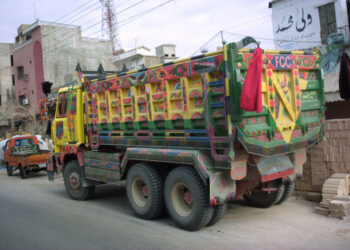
(22, 172)
(187, 199)
(73, 182)
(144, 189)
(9, 170)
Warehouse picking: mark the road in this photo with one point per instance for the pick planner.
(37, 214)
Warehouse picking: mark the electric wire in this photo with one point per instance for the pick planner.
(73, 10)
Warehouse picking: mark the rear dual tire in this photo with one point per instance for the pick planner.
(289, 188)
(187, 199)
(263, 199)
(144, 189)
(267, 199)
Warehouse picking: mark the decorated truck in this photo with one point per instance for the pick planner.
(24, 153)
(177, 135)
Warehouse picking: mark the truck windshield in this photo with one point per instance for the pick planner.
(24, 142)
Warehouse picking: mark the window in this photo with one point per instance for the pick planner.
(62, 105)
(20, 72)
(327, 20)
(13, 80)
(21, 99)
(11, 58)
(0, 99)
(28, 36)
(24, 142)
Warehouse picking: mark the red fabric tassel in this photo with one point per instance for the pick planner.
(251, 99)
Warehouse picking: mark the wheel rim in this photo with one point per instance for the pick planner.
(74, 181)
(182, 199)
(139, 192)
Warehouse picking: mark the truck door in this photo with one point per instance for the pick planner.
(67, 128)
(59, 126)
(6, 152)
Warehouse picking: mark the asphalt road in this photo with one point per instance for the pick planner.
(37, 214)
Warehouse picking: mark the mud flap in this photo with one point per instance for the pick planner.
(275, 167)
(298, 158)
(222, 187)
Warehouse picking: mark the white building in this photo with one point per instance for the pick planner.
(302, 24)
(142, 56)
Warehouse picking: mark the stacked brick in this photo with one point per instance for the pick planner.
(335, 196)
(340, 207)
(328, 157)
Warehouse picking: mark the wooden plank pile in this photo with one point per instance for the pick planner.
(335, 193)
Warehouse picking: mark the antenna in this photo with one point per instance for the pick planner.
(34, 11)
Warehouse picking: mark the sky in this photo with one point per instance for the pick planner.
(189, 24)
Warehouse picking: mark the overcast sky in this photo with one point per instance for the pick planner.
(189, 24)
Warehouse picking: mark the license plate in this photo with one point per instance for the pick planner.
(42, 165)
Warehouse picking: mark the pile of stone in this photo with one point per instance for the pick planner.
(335, 196)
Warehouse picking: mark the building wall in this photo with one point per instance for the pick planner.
(328, 157)
(30, 85)
(298, 20)
(167, 53)
(64, 47)
(52, 54)
(6, 50)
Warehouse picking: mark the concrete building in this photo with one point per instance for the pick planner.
(6, 82)
(47, 51)
(302, 24)
(167, 52)
(142, 56)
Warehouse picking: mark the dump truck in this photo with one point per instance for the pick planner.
(176, 134)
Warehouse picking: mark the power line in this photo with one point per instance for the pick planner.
(131, 6)
(124, 22)
(74, 10)
(79, 15)
(132, 18)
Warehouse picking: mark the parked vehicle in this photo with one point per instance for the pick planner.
(177, 135)
(24, 153)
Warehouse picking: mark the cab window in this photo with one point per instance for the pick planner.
(62, 105)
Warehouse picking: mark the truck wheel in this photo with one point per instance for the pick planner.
(263, 199)
(187, 199)
(22, 172)
(144, 188)
(288, 190)
(73, 182)
(9, 170)
(219, 212)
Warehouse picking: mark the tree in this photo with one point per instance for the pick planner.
(14, 111)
